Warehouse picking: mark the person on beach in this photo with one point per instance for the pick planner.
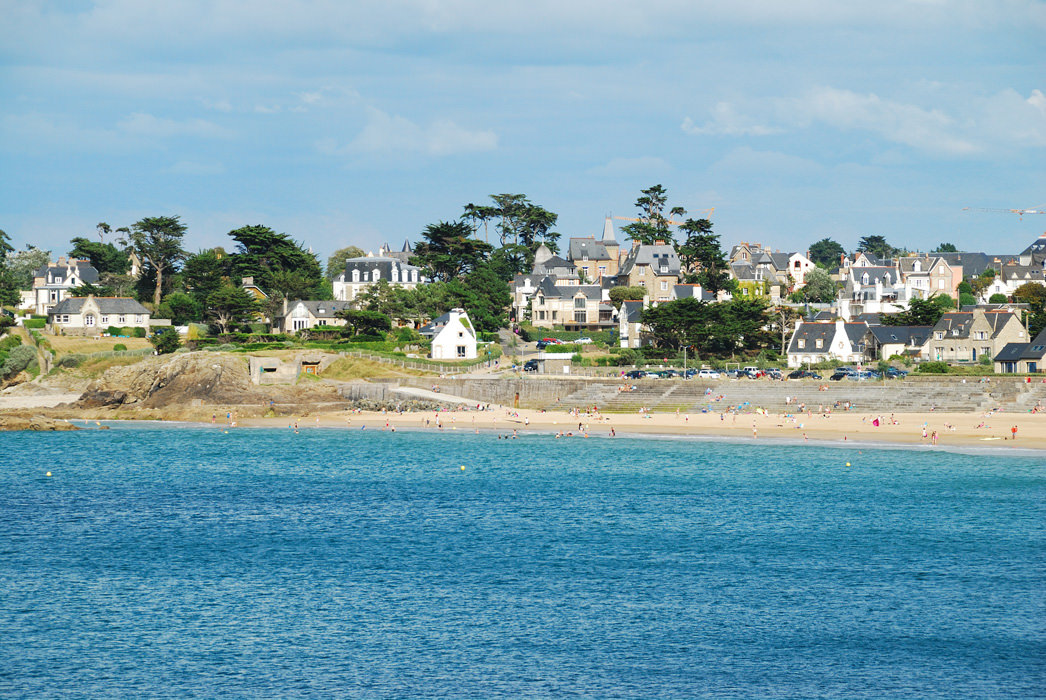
(1013, 432)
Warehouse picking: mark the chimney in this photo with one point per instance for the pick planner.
(61, 260)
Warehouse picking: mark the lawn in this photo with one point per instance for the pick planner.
(69, 344)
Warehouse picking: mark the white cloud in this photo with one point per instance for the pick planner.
(727, 122)
(390, 133)
(634, 167)
(141, 124)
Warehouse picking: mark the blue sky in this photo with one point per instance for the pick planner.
(355, 123)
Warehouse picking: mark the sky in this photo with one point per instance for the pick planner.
(348, 123)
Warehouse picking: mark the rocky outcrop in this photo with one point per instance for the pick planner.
(183, 379)
(42, 423)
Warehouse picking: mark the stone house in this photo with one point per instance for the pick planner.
(580, 307)
(596, 260)
(52, 282)
(1022, 358)
(653, 267)
(967, 336)
(924, 276)
(92, 315)
(884, 342)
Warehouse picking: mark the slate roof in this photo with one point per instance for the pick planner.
(106, 305)
(1030, 273)
(926, 262)
(692, 291)
(955, 321)
(85, 272)
(381, 263)
(973, 264)
(632, 311)
(875, 274)
(652, 255)
(909, 335)
(1036, 250)
(870, 319)
(321, 309)
(581, 247)
(811, 332)
(557, 266)
(998, 320)
(434, 326)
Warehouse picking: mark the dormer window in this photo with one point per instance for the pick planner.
(802, 343)
(917, 266)
(819, 343)
(864, 278)
(355, 275)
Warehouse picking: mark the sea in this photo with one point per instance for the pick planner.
(199, 561)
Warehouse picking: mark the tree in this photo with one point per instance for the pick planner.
(23, 264)
(705, 262)
(277, 263)
(877, 246)
(819, 287)
(181, 308)
(104, 257)
(336, 261)
(945, 248)
(449, 250)
(619, 295)
(230, 306)
(165, 340)
(720, 329)
(652, 225)
(157, 241)
(826, 253)
(364, 322)
(205, 273)
(486, 298)
(8, 291)
(920, 312)
(519, 221)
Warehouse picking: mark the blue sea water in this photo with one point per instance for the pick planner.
(183, 561)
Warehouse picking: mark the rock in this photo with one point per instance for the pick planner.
(42, 423)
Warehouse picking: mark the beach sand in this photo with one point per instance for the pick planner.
(956, 429)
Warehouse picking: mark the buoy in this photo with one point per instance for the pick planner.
(49, 473)
(847, 464)
(462, 469)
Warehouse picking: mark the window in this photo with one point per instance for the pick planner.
(580, 317)
(579, 302)
(88, 320)
(461, 334)
(864, 278)
(940, 284)
(802, 343)
(818, 343)
(664, 286)
(105, 320)
(541, 315)
(917, 266)
(121, 320)
(554, 315)
(461, 351)
(939, 335)
(138, 318)
(355, 275)
(602, 270)
(300, 323)
(375, 275)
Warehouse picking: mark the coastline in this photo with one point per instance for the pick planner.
(904, 430)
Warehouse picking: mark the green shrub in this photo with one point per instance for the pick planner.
(165, 341)
(997, 298)
(114, 331)
(17, 360)
(34, 323)
(118, 347)
(140, 333)
(933, 368)
(71, 361)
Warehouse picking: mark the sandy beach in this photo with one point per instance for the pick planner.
(993, 429)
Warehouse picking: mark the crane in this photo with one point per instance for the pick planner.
(670, 222)
(1020, 212)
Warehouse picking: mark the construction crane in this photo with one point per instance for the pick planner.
(1020, 212)
(670, 222)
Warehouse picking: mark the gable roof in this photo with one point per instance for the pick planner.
(84, 270)
(106, 305)
(909, 335)
(654, 256)
(320, 309)
(590, 248)
(632, 311)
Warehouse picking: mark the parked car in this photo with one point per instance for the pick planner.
(895, 373)
(708, 374)
(754, 373)
(803, 374)
(773, 373)
(636, 374)
(542, 345)
(530, 366)
(583, 340)
(551, 341)
(733, 374)
(838, 376)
